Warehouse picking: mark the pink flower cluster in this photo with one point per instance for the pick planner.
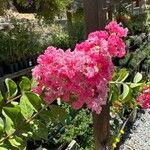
(81, 76)
(144, 98)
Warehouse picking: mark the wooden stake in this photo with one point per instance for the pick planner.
(95, 18)
(101, 129)
(95, 15)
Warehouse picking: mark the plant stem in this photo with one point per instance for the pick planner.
(26, 122)
(117, 82)
(35, 115)
(10, 100)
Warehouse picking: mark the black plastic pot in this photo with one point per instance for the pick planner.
(9, 68)
(20, 65)
(34, 61)
(25, 63)
(16, 67)
(33, 145)
(1, 71)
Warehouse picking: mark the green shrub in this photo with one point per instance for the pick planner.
(46, 10)
(137, 60)
(79, 129)
(78, 126)
(59, 37)
(138, 23)
(25, 116)
(65, 37)
(21, 42)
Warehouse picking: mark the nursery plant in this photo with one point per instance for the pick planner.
(135, 21)
(122, 13)
(85, 77)
(137, 60)
(81, 77)
(18, 45)
(77, 129)
(24, 116)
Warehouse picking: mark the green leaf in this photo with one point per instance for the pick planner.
(34, 99)
(137, 78)
(58, 114)
(123, 74)
(18, 142)
(33, 83)
(23, 131)
(1, 126)
(25, 134)
(1, 97)
(14, 113)
(14, 103)
(8, 124)
(27, 109)
(14, 143)
(3, 148)
(25, 84)
(40, 148)
(40, 130)
(134, 85)
(45, 116)
(126, 91)
(115, 92)
(11, 88)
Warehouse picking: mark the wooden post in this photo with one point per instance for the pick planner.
(95, 18)
(101, 129)
(110, 11)
(69, 20)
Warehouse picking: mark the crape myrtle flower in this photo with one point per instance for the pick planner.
(81, 77)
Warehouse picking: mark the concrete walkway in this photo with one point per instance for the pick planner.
(139, 136)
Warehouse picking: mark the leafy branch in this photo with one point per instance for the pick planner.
(22, 115)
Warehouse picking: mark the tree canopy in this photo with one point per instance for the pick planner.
(46, 9)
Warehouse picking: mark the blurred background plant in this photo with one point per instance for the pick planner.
(137, 58)
(47, 10)
(19, 43)
(135, 19)
(138, 23)
(78, 127)
(27, 38)
(66, 35)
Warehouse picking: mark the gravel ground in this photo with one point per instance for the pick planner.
(137, 137)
